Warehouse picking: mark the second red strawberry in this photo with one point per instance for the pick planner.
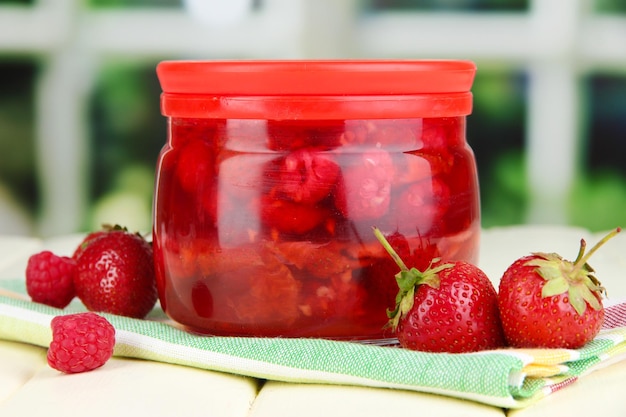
(115, 274)
(449, 307)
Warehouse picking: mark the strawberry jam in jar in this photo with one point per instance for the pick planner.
(275, 173)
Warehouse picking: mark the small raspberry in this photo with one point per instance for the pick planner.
(80, 342)
(50, 279)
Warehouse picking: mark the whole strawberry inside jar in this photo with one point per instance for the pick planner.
(274, 174)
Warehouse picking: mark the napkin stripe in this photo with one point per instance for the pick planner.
(615, 316)
(560, 385)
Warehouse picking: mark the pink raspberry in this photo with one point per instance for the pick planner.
(80, 342)
(50, 279)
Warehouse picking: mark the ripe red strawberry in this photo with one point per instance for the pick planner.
(92, 236)
(115, 274)
(449, 307)
(50, 279)
(548, 302)
(80, 342)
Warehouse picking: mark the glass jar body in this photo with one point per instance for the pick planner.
(264, 227)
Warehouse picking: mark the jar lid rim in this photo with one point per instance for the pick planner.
(316, 77)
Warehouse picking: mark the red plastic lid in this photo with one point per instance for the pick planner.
(323, 89)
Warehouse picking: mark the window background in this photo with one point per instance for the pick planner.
(80, 126)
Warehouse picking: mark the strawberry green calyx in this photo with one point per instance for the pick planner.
(408, 279)
(576, 278)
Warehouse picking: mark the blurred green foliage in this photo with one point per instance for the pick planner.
(134, 3)
(449, 5)
(495, 131)
(127, 126)
(21, 2)
(127, 135)
(17, 131)
(598, 200)
(610, 6)
(605, 143)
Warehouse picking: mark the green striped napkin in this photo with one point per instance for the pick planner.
(509, 378)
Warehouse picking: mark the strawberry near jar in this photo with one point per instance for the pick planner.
(274, 174)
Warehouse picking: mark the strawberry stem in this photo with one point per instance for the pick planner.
(582, 260)
(389, 249)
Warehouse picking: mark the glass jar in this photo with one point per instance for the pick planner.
(274, 174)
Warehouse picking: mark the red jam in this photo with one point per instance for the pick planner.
(263, 225)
